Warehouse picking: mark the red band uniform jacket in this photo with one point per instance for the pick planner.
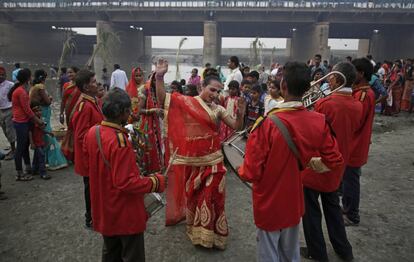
(87, 114)
(117, 189)
(273, 169)
(362, 140)
(343, 112)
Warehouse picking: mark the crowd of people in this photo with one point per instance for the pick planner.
(294, 155)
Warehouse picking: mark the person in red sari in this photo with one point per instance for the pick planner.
(87, 114)
(408, 90)
(230, 104)
(134, 90)
(396, 89)
(192, 128)
(70, 97)
(150, 125)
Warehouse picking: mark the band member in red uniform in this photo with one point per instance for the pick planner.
(117, 189)
(360, 146)
(87, 114)
(274, 169)
(192, 125)
(343, 113)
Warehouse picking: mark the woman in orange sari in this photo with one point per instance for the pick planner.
(192, 127)
(408, 89)
(70, 98)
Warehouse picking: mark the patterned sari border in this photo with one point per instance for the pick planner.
(206, 238)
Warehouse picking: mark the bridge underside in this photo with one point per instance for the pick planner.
(308, 30)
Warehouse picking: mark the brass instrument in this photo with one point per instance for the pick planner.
(312, 96)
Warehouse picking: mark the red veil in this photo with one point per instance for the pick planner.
(191, 127)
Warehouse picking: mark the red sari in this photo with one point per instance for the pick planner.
(134, 94)
(70, 99)
(406, 96)
(198, 169)
(396, 90)
(149, 124)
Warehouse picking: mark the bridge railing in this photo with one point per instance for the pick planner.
(211, 4)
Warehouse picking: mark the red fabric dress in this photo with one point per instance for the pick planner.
(230, 104)
(397, 91)
(198, 169)
(70, 98)
(343, 112)
(273, 169)
(117, 192)
(360, 144)
(153, 159)
(87, 114)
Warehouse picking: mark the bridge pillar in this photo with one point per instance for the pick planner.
(391, 45)
(32, 44)
(310, 40)
(363, 47)
(121, 45)
(212, 43)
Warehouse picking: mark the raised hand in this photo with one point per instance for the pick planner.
(161, 67)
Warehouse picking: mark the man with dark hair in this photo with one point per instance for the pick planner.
(87, 114)
(235, 73)
(193, 129)
(343, 113)
(360, 144)
(15, 71)
(273, 165)
(118, 78)
(116, 187)
(253, 77)
(317, 64)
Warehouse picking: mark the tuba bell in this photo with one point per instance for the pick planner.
(314, 94)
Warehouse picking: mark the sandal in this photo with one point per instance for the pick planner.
(9, 156)
(45, 177)
(24, 178)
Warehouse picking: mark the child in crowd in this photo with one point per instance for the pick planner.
(230, 104)
(245, 87)
(274, 97)
(255, 108)
(37, 143)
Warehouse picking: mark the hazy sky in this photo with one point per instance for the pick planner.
(229, 42)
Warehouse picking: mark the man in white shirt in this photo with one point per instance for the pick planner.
(235, 73)
(6, 113)
(118, 78)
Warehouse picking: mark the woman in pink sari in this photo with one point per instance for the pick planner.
(196, 187)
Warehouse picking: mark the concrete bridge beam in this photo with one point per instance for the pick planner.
(212, 43)
(20, 43)
(121, 45)
(309, 40)
(391, 45)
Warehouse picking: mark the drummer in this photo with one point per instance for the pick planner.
(116, 187)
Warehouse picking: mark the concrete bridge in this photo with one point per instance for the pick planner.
(384, 27)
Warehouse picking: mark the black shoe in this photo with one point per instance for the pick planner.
(349, 223)
(347, 258)
(305, 254)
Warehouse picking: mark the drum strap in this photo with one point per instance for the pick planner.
(99, 142)
(288, 138)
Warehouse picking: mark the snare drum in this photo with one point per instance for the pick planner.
(153, 203)
(234, 149)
